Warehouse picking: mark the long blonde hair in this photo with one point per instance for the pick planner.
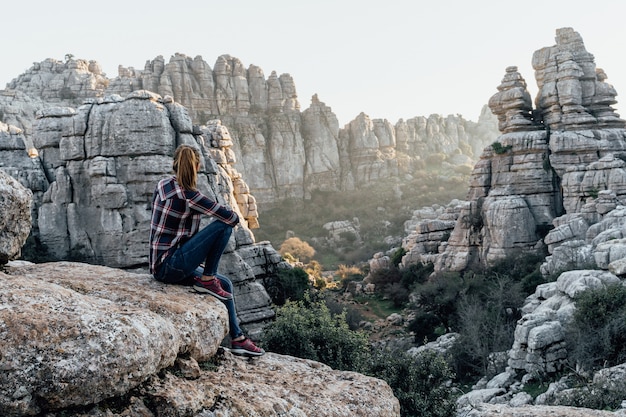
(186, 163)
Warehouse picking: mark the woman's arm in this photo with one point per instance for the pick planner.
(201, 203)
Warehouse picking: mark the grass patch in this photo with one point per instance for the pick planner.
(376, 305)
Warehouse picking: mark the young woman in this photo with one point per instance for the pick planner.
(178, 247)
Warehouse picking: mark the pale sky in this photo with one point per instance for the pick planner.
(390, 59)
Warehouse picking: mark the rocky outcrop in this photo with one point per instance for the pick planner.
(499, 410)
(573, 94)
(538, 179)
(539, 345)
(83, 337)
(282, 152)
(552, 182)
(428, 232)
(15, 223)
(540, 348)
(93, 179)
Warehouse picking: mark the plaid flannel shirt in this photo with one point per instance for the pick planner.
(176, 215)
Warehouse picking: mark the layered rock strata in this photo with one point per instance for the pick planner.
(282, 152)
(549, 161)
(15, 222)
(553, 181)
(95, 173)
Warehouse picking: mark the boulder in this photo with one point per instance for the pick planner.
(502, 410)
(15, 220)
(77, 336)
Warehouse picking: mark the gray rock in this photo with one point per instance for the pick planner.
(74, 334)
(95, 174)
(282, 152)
(15, 220)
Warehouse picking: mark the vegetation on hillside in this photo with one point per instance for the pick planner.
(381, 209)
(481, 306)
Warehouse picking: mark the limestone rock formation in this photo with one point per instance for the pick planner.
(78, 335)
(552, 182)
(94, 176)
(282, 152)
(15, 222)
(539, 345)
(513, 104)
(428, 232)
(572, 93)
(499, 410)
(548, 164)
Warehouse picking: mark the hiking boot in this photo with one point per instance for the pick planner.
(213, 287)
(246, 347)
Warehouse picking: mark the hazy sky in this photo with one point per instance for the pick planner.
(390, 59)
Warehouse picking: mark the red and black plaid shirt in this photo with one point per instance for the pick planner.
(176, 217)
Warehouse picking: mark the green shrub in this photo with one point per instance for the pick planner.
(398, 295)
(425, 326)
(307, 329)
(499, 149)
(596, 337)
(295, 283)
(352, 315)
(418, 382)
(384, 277)
(396, 256)
(287, 284)
(438, 297)
(416, 274)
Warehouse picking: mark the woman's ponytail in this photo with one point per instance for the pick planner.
(186, 162)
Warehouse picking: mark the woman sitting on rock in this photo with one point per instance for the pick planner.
(178, 248)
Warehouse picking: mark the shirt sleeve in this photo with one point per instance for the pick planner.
(201, 203)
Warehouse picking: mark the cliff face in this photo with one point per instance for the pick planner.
(93, 176)
(553, 181)
(553, 163)
(283, 152)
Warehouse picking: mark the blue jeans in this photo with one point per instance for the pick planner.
(184, 264)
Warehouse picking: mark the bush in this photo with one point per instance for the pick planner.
(439, 297)
(295, 283)
(396, 256)
(398, 295)
(425, 327)
(347, 274)
(596, 337)
(486, 316)
(382, 278)
(297, 248)
(416, 274)
(523, 267)
(499, 149)
(307, 329)
(596, 396)
(418, 382)
(287, 284)
(352, 315)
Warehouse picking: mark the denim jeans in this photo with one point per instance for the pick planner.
(183, 265)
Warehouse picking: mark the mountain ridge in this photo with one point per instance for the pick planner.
(282, 151)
